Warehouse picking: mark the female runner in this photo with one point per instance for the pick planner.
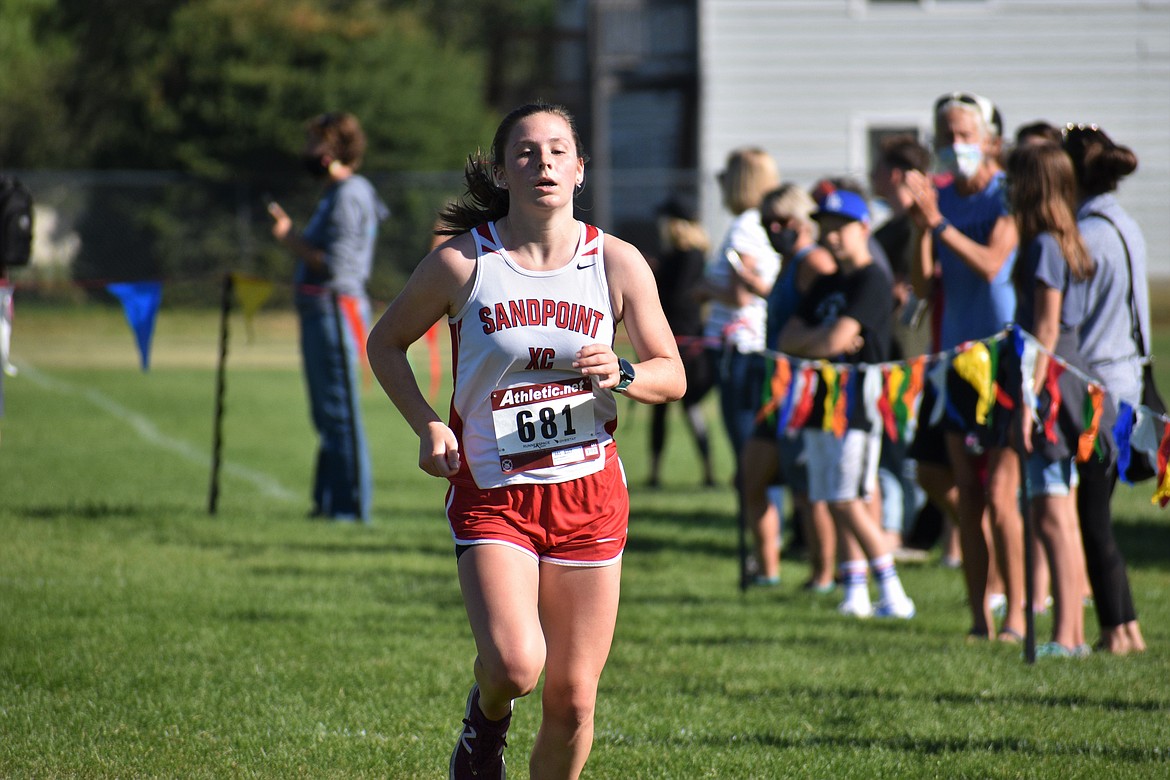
(537, 501)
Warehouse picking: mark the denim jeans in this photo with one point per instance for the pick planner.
(342, 482)
(741, 378)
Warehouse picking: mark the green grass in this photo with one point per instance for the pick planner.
(141, 637)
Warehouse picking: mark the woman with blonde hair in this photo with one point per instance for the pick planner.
(739, 278)
(968, 236)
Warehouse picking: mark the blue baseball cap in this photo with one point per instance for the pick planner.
(842, 203)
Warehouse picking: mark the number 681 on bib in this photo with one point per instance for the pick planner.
(542, 425)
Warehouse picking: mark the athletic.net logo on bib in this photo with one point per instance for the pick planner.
(543, 425)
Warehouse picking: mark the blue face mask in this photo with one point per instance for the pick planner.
(962, 160)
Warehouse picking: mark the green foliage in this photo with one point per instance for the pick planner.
(221, 88)
(219, 91)
(239, 79)
(33, 65)
(140, 637)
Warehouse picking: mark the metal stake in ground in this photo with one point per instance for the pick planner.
(221, 365)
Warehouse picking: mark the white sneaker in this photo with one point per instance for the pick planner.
(858, 608)
(902, 609)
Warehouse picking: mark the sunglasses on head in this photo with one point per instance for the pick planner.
(986, 108)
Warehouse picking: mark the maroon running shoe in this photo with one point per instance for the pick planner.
(479, 753)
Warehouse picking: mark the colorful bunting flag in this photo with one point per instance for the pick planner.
(140, 303)
(1028, 355)
(889, 396)
(794, 392)
(973, 365)
(1122, 429)
(777, 387)
(803, 409)
(830, 381)
(885, 411)
(1146, 433)
(846, 390)
(1052, 385)
(1091, 419)
(938, 380)
(251, 292)
(1162, 495)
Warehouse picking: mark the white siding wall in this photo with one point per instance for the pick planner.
(802, 79)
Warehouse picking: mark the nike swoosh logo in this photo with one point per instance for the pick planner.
(582, 267)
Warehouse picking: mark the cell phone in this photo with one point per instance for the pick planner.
(734, 259)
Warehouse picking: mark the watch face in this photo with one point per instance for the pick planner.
(625, 373)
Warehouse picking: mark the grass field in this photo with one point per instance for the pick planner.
(141, 637)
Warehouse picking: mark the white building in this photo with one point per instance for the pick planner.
(815, 81)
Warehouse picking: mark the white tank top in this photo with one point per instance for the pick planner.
(521, 412)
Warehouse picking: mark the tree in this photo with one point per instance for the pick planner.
(34, 61)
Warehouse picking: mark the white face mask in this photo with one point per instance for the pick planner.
(963, 160)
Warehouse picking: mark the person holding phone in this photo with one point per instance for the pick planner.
(738, 279)
(334, 254)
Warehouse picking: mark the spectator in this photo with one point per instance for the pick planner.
(769, 456)
(1114, 335)
(679, 272)
(1038, 132)
(845, 317)
(903, 499)
(738, 280)
(967, 231)
(1052, 277)
(334, 255)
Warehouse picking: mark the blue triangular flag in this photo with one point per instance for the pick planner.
(140, 302)
(1122, 432)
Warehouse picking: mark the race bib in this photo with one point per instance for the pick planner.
(544, 425)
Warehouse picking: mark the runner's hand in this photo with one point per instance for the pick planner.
(438, 452)
(598, 360)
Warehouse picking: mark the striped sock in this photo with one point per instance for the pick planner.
(887, 577)
(854, 576)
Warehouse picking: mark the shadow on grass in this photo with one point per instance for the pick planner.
(695, 532)
(952, 746)
(95, 510)
(1144, 542)
(1013, 699)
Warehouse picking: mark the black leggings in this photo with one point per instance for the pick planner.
(1103, 558)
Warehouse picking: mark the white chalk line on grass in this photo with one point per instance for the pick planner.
(150, 433)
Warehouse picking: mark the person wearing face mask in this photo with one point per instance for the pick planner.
(967, 245)
(334, 254)
(785, 213)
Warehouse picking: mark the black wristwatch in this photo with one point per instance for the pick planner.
(626, 372)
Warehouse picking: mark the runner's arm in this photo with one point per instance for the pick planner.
(430, 294)
(659, 371)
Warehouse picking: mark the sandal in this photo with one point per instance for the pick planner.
(1009, 636)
